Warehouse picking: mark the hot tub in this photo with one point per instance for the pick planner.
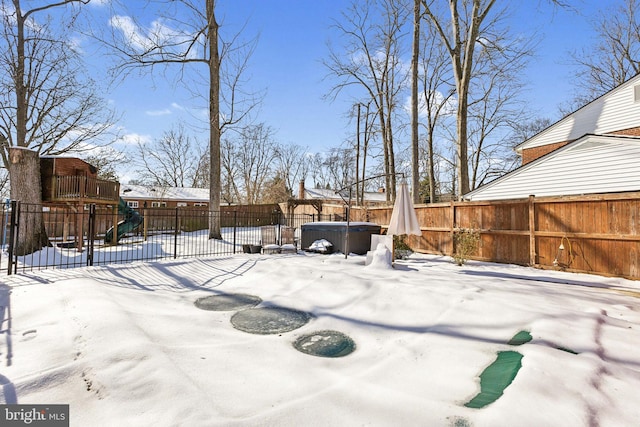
(335, 232)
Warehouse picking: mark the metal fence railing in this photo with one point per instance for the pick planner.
(89, 235)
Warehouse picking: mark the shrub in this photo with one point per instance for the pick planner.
(465, 243)
(400, 247)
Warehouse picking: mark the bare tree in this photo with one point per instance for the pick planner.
(251, 162)
(47, 104)
(373, 30)
(169, 161)
(230, 171)
(615, 57)
(275, 190)
(415, 137)
(292, 165)
(319, 171)
(494, 105)
(366, 132)
(522, 130)
(201, 174)
(188, 34)
(4, 184)
(460, 33)
(435, 100)
(105, 160)
(340, 163)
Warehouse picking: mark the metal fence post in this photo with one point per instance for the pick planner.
(92, 233)
(13, 225)
(175, 240)
(235, 227)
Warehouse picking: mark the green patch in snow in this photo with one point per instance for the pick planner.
(520, 338)
(495, 378)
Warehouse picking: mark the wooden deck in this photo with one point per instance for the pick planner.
(80, 189)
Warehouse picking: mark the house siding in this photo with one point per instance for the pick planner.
(610, 113)
(591, 165)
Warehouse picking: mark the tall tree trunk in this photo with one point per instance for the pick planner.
(364, 153)
(432, 178)
(462, 161)
(461, 50)
(24, 164)
(214, 124)
(385, 145)
(19, 83)
(358, 156)
(462, 60)
(392, 159)
(24, 168)
(415, 172)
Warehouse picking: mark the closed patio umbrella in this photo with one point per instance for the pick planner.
(403, 218)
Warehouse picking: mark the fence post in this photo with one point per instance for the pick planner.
(91, 234)
(532, 230)
(12, 235)
(235, 226)
(452, 227)
(145, 221)
(175, 238)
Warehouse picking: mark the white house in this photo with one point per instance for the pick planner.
(595, 149)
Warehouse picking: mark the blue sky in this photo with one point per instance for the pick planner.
(292, 42)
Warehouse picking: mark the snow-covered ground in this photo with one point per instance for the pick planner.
(125, 345)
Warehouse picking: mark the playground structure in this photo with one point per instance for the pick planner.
(132, 220)
(70, 185)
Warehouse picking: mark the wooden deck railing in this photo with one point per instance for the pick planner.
(70, 188)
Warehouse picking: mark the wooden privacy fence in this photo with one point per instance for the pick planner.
(594, 234)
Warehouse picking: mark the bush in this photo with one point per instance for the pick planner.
(465, 243)
(400, 247)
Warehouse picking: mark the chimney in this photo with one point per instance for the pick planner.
(380, 189)
(301, 190)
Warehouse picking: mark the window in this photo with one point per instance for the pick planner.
(181, 204)
(158, 204)
(199, 204)
(132, 204)
(636, 93)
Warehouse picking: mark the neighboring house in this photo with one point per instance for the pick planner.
(170, 197)
(137, 195)
(595, 149)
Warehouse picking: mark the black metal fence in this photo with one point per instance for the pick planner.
(86, 235)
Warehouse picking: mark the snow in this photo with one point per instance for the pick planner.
(125, 345)
(380, 258)
(321, 245)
